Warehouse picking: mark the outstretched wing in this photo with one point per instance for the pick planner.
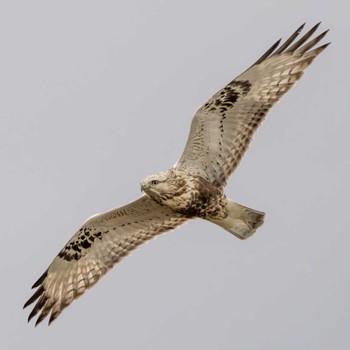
(222, 128)
(101, 242)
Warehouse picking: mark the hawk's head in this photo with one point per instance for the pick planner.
(164, 186)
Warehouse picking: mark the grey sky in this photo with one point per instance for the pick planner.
(98, 94)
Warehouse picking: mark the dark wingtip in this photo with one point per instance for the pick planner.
(51, 319)
(31, 315)
(268, 52)
(34, 297)
(301, 27)
(321, 48)
(314, 28)
(313, 42)
(40, 280)
(285, 46)
(39, 319)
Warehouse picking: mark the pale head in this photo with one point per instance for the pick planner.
(164, 186)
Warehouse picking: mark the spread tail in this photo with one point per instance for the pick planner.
(240, 221)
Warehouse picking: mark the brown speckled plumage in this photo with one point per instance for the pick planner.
(220, 133)
(115, 233)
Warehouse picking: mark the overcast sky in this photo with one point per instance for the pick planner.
(95, 95)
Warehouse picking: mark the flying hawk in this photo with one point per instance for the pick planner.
(220, 133)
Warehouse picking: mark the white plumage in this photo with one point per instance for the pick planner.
(220, 133)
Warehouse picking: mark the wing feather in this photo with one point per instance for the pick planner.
(222, 128)
(102, 241)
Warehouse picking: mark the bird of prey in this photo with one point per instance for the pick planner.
(220, 133)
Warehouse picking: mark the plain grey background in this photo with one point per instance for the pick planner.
(95, 95)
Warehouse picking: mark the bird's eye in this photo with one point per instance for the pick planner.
(154, 182)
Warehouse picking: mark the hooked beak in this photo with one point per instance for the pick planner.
(143, 186)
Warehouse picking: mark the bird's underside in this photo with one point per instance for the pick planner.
(220, 133)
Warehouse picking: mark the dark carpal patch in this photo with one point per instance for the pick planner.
(226, 98)
(76, 249)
